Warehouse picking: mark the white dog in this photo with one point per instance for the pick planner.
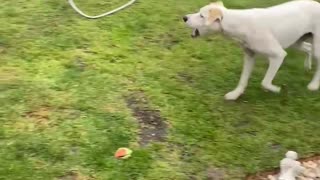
(265, 31)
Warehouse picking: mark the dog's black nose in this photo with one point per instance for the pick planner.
(185, 18)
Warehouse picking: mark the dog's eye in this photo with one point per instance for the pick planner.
(201, 16)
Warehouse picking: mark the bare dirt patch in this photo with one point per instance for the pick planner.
(314, 160)
(41, 113)
(152, 126)
(40, 116)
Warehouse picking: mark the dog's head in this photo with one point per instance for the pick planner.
(206, 20)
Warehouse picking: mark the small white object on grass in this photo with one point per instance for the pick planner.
(290, 168)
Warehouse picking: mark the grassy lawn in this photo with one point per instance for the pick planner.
(73, 90)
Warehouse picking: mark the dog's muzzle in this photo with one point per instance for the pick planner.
(195, 33)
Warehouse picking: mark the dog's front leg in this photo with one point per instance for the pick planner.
(246, 72)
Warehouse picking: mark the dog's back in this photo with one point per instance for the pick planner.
(305, 7)
(291, 20)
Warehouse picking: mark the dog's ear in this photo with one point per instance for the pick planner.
(214, 15)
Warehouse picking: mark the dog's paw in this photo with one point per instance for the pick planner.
(232, 96)
(271, 88)
(314, 86)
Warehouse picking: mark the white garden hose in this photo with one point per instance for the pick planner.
(101, 15)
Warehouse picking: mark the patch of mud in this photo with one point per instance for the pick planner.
(312, 165)
(152, 126)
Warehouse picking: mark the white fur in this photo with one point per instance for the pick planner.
(266, 31)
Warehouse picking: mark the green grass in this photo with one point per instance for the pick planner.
(64, 79)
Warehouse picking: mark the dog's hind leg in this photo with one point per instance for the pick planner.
(306, 47)
(246, 72)
(315, 83)
(266, 44)
(276, 57)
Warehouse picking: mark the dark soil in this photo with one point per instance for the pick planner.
(152, 126)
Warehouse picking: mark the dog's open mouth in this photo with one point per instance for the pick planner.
(195, 33)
